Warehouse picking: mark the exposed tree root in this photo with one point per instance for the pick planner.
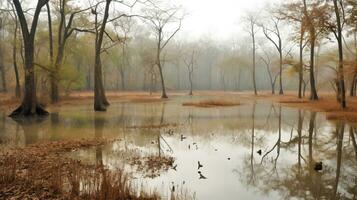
(22, 111)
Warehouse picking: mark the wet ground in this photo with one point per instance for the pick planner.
(253, 151)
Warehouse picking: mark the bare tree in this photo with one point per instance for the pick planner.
(190, 62)
(272, 77)
(29, 105)
(252, 30)
(275, 30)
(160, 20)
(100, 100)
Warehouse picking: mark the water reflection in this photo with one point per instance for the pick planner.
(254, 151)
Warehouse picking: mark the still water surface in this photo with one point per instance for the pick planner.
(225, 141)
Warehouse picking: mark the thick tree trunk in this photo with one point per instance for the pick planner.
(100, 100)
(29, 105)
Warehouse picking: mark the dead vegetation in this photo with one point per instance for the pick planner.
(152, 165)
(43, 171)
(211, 103)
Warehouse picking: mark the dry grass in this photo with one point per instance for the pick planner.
(211, 103)
(43, 171)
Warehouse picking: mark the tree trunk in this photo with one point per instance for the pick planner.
(281, 92)
(60, 52)
(338, 94)
(352, 88)
(341, 77)
(313, 92)
(55, 74)
(163, 95)
(54, 91)
(158, 60)
(301, 65)
(29, 105)
(191, 83)
(312, 32)
(254, 81)
(2, 66)
(122, 75)
(14, 58)
(100, 100)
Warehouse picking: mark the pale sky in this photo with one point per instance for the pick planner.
(219, 19)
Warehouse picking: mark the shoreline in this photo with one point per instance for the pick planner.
(327, 102)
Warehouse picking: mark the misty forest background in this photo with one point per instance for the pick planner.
(289, 42)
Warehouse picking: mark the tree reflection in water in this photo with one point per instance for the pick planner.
(337, 179)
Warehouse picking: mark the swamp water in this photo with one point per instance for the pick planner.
(227, 142)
